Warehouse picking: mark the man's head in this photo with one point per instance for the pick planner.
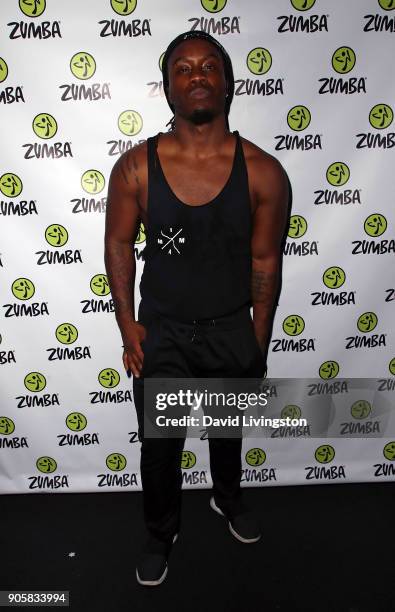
(197, 77)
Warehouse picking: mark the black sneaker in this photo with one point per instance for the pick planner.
(152, 566)
(244, 525)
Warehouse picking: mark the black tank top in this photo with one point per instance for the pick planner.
(197, 258)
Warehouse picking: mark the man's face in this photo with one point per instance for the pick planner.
(197, 85)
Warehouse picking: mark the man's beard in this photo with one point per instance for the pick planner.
(201, 115)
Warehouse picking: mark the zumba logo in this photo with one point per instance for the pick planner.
(387, 5)
(293, 325)
(391, 366)
(328, 370)
(223, 25)
(123, 7)
(23, 289)
(66, 333)
(130, 122)
(213, 6)
(116, 462)
(108, 378)
(367, 322)
(296, 229)
(9, 94)
(361, 409)
(259, 61)
(92, 181)
(255, 456)
(298, 118)
(299, 23)
(389, 451)
(375, 225)
(291, 411)
(380, 117)
(188, 459)
(337, 175)
(83, 65)
(44, 125)
(46, 464)
(334, 277)
(57, 236)
(99, 285)
(35, 382)
(324, 453)
(3, 70)
(343, 62)
(76, 421)
(32, 8)
(381, 23)
(7, 426)
(302, 5)
(297, 226)
(10, 185)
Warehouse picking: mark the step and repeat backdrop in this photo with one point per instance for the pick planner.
(80, 83)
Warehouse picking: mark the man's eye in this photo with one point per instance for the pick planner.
(183, 69)
(208, 67)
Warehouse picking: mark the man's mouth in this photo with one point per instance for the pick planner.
(199, 92)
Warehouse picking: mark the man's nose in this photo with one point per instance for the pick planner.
(197, 75)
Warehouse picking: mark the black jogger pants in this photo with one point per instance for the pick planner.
(222, 348)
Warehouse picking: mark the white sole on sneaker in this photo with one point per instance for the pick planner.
(161, 579)
(151, 582)
(232, 531)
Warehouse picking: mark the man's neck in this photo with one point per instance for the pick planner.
(200, 140)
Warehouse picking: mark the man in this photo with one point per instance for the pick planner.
(214, 206)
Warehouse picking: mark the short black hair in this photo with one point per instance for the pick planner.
(228, 69)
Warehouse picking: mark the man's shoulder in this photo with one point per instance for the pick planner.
(256, 155)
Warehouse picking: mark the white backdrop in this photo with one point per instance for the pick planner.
(80, 83)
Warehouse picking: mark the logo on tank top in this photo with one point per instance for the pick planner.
(171, 241)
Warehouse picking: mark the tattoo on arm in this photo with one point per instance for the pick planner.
(263, 287)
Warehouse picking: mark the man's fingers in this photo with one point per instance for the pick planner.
(133, 361)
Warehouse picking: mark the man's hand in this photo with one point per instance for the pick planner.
(133, 355)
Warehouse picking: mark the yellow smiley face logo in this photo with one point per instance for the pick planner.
(130, 122)
(92, 181)
(83, 65)
(3, 70)
(44, 125)
(32, 8)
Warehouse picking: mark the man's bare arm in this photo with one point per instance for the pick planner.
(122, 220)
(270, 186)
